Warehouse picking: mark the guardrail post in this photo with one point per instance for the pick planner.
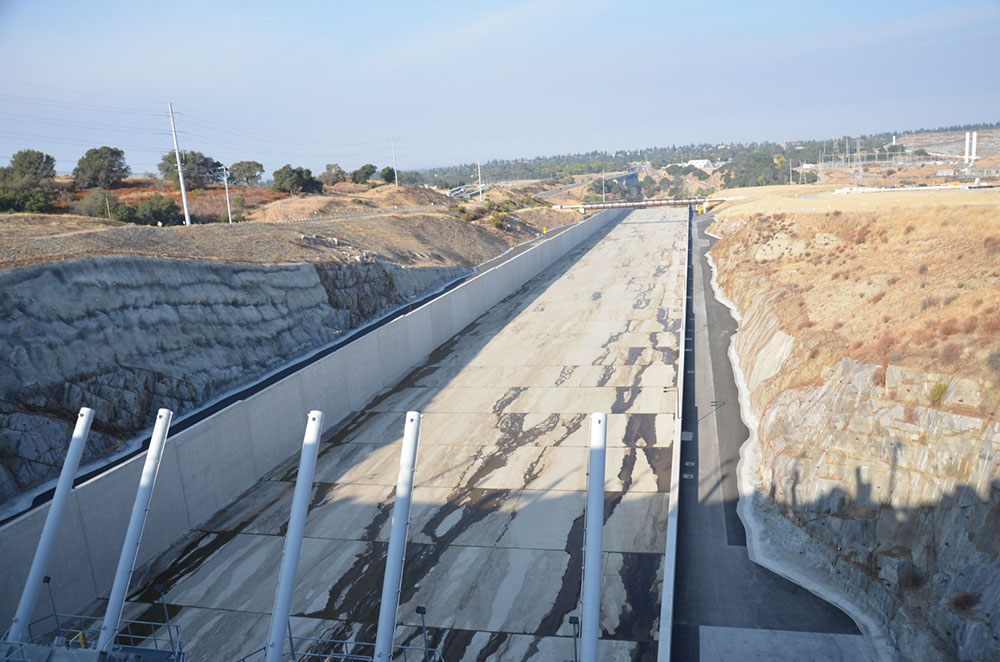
(133, 535)
(393, 578)
(293, 538)
(22, 617)
(590, 617)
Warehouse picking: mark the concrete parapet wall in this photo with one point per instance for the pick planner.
(207, 466)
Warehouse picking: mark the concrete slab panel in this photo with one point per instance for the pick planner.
(363, 370)
(719, 644)
(219, 466)
(167, 519)
(324, 387)
(104, 526)
(276, 419)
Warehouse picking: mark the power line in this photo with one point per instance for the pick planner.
(72, 123)
(75, 106)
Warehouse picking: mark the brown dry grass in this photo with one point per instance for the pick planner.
(416, 239)
(207, 204)
(909, 279)
(348, 198)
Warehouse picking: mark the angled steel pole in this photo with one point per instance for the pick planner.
(293, 537)
(133, 535)
(225, 179)
(590, 616)
(395, 170)
(180, 170)
(19, 627)
(392, 581)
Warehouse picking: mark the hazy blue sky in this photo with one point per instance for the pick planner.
(318, 82)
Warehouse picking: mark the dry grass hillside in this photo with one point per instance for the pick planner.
(349, 199)
(406, 225)
(908, 278)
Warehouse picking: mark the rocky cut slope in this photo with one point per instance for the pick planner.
(128, 335)
(869, 355)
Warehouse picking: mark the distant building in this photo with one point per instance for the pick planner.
(701, 164)
(948, 172)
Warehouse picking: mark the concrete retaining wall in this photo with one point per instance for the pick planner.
(208, 465)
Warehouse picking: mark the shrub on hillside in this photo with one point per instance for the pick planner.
(100, 166)
(296, 180)
(27, 184)
(158, 209)
(936, 395)
(101, 203)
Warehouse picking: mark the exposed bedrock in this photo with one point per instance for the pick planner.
(873, 494)
(126, 336)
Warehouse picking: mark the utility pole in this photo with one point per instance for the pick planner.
(225, 180)
(479, 167)
(108, 205)
(180, 170)
(395, 170)
(603, 199)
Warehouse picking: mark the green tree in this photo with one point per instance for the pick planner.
(34, 164)
(296, 180)
(247, 173)
(388, 174)
(158, 209)
(99, 202)
(334, 174)
(100, 166)
(410, 178)
(27, 183)
(199, 170)
(363, 174)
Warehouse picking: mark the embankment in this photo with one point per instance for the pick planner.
(871, 476)
(127, 335)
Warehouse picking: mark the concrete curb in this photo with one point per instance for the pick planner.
(670, 551)
(777, 558)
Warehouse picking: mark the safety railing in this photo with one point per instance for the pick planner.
(74, 631)
(311, 649)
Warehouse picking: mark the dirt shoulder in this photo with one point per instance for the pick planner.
(407, 226)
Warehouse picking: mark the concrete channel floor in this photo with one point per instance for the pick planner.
(728, 609)
(496, 536)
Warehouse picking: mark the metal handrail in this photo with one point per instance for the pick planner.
(313, 645)
(133, 633)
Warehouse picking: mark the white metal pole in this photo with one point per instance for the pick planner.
(395, 170)
(479, 167)
(19, 627)
(133, 535)
(293, 537)
(392, 581)
(603, 199)
(225, 180)
(180, 170)
(968, 136)
(975, 139)
(590, 616)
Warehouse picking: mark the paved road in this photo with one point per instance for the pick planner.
(726, 607)
(497, 522)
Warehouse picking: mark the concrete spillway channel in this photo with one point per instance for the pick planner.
(496, 534)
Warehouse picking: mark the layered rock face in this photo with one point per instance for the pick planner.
(126, 336)
(873, 484)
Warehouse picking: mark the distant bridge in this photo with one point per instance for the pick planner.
(642, 204)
